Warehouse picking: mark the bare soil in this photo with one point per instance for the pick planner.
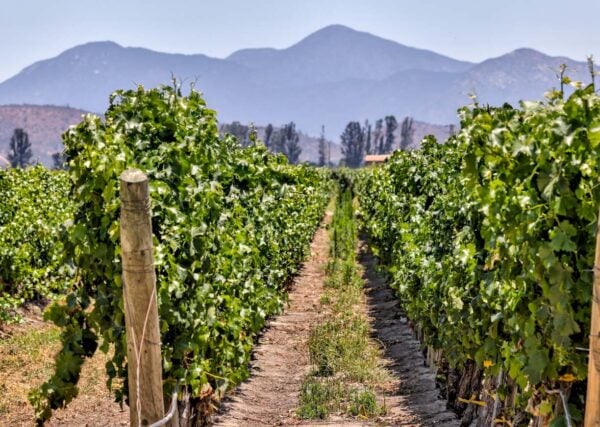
(412, 398)
(27, 359)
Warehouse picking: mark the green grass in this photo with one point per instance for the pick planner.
(345, 360)
(341, 345)
(320, 398)
(363, 403)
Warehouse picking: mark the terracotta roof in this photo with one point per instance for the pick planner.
(375, 158)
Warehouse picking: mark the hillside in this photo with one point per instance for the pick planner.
(337, 53)
(46, 123)
(43, 123)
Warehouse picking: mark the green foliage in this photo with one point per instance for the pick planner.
(230, 227)
(319, 398)
(363, 404)
(34, 205)
(353, 141)
(490, 237)
(20, 153)
(343, 229)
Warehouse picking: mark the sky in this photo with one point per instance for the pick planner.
(473, 30)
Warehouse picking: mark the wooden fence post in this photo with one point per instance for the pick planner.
(146, 403)
(592, 403)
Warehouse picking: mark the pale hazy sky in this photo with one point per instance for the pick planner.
(31, 30)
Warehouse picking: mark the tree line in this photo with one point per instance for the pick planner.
(359, 140)
(284, 140)
(356, 141)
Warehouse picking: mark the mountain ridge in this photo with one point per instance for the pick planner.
(330, 77)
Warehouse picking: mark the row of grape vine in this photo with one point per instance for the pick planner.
(489, 240)
(231, 226)
(34, 205)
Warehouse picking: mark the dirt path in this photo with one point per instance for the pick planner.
(413, 399)
(281, 359)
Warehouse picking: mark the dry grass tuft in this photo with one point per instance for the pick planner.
(27, 360)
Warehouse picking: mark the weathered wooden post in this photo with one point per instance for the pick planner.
(141, 311)
(592, 403)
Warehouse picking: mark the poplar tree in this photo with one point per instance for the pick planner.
(20, 153)
(268, 135)
(368, 147)
(378, 137)
(292, 143)
(322, 148)
(353, 144)
(406, 133)
(391, 124)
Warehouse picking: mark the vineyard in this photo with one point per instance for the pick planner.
(487, 240)
(35, 205)
(490, 242)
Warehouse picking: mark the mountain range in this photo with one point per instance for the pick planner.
(329, 78)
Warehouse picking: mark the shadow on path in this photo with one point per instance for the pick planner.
(415, 392)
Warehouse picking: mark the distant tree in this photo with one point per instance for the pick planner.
(353, 144)
(292, 148)
(240, 131)
(20, 153)
(368, 147)
(277, 141)
(323, 160)
(59, 161)
(451, 130)
(378, 138)
(391, 124)
(406, 133)
(286, 141)
(268, 134)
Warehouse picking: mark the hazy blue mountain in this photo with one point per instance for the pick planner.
(337, 53)
(521, 74)
(85, 75)
(329, 78)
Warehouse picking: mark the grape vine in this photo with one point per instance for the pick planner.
(34, 206)
(490, 242)
(230, 226)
